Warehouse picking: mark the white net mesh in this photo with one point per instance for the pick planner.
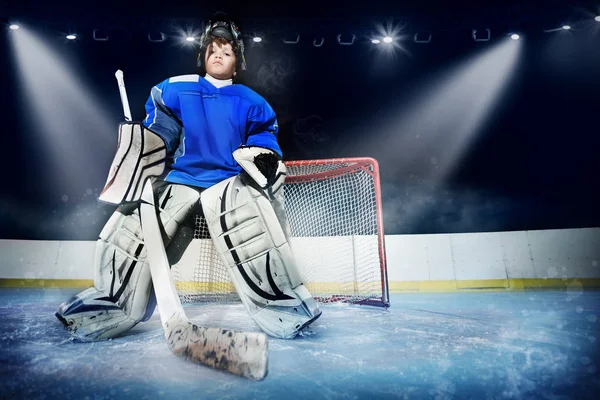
(332, 208)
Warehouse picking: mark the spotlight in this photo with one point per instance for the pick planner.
(71, 36)
(190, 38)
(514, 36)
(257, 39)
(597, 18)
(387, 39)
(558, 28)
(375, 41)
(14, 27)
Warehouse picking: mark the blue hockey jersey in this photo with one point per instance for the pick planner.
(202, 126)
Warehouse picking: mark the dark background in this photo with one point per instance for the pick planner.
(533, 163)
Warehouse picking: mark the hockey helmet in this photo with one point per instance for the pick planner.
(219, 26)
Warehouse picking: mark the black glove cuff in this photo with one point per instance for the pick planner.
(267, 165)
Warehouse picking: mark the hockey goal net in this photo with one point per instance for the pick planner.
(335, 217)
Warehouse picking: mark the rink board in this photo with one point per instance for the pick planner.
(444, 262)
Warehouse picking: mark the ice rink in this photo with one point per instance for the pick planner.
(467, 345)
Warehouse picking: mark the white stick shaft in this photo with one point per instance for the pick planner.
(164, 288)
(123, 92)
(241, 353)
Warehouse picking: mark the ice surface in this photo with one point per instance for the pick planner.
(489, 345)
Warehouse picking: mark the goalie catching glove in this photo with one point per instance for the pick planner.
(264, 166)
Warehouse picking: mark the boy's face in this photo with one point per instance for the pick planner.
(220, 60)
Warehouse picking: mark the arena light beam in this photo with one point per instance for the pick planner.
(423, 140)
(431, 132)
(70, 127)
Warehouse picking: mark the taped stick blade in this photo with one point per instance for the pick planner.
(240, 353)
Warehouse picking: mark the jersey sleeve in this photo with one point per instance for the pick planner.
(163, 116)
(263, 128)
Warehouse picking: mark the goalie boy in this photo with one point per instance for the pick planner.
(224, 161)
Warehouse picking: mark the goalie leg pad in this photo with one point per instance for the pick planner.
(122, 294)
(253, 244)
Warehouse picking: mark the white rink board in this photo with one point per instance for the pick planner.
(47, 259)
(419, 257)
(576, 255)
(439, 251)
(29, 259)
(479, 257)
(409, 255)
(567, 253)
(517, 255)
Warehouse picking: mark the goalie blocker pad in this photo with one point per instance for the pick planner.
(140, 154)
(253, 245)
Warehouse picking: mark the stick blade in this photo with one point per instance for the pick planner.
(240, 353)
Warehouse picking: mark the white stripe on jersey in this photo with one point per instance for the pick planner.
(185, 78)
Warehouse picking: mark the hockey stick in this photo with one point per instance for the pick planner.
(241, 353)
(123, 93)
